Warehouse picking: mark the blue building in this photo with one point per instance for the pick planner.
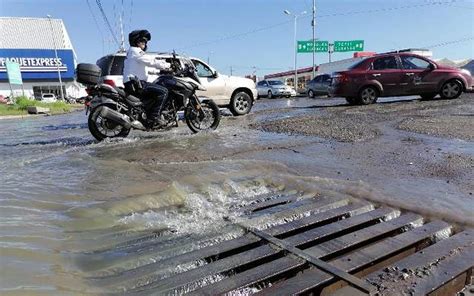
(45, 53)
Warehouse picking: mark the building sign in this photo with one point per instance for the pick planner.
(38, 64)
(13, 72)
(307, 46)
(352, 45)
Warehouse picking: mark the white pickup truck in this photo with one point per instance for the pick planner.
(238, 94)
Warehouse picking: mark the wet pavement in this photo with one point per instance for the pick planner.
(71, 206)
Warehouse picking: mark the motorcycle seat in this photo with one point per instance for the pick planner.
(134, 101)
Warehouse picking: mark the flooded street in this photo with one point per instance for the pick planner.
(78, 217)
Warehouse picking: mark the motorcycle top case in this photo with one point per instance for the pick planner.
(88, 74)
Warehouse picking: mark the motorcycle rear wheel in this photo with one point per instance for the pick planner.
(210, 121)
(102, 128)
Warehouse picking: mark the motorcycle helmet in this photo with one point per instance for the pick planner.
(139, 35)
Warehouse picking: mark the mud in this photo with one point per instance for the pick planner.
(450, 126)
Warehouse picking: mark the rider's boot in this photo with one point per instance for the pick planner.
(158, 121)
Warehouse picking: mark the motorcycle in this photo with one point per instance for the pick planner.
(113, 112)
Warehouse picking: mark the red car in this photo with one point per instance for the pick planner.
(398, 74)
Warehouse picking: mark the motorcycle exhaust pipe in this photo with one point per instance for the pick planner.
(115, 116)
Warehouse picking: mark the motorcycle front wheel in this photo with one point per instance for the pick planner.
(102, 128)
(207, 119)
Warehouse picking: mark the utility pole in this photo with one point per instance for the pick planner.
(122, 38)
(230, 70)
(313, 24)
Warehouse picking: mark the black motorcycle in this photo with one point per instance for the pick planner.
(114, 112)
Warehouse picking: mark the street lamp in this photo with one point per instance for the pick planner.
(208, 55)
(56, 55)
(295, 16)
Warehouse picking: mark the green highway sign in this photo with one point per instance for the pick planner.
(14, 73)
(351, 45)
(307, 46)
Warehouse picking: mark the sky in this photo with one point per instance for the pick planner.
(255, 36)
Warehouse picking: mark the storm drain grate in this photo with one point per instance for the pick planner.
(327, 246)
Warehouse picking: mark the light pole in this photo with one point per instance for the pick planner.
(295, 17)
(208, 55)
(313, 24)
(56, 55)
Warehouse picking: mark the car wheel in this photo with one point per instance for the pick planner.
(310, 93)
(368, 95)
(451, 89)
(351, 100)
(240, 104)
(427, 97)
(270, 95)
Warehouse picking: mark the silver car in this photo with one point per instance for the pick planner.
(274, 88)
(319, 85)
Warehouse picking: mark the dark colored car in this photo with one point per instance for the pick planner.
(398, 74)
(319, 85)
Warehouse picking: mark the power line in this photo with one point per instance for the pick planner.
(387, 9)
(243, 34)
(236, 35)
(104, 16)
(451, 42)
(97, 25)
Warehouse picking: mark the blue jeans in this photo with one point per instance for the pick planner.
(155, 98)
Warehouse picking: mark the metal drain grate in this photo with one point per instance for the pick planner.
(327, 246)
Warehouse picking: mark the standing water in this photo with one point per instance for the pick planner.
(81, 217)
(73, 210)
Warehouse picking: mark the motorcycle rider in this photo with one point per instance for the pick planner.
(154, 96)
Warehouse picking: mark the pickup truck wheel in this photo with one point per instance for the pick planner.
(270, 95)
(240, 104)
(311, 93)
(451, 89)
(368, 95)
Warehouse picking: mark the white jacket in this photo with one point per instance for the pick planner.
(137, 62)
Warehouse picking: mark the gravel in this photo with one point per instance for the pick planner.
(439, 118)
